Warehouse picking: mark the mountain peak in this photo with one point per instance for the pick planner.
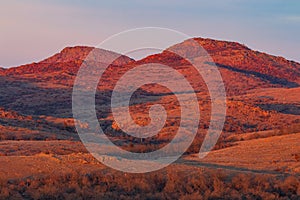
(68, 59)
(212, 44)
(68, 54)
(78, 54)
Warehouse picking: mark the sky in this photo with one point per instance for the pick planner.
(31, 30)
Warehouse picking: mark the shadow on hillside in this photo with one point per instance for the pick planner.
(281, 108)
(273, 80)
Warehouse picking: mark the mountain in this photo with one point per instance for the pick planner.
(254, 69)
(242, 69)
(68, 60)
(252, 79)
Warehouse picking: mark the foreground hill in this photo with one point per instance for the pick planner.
(249, 170)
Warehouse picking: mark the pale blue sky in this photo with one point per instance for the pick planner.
(31, 30)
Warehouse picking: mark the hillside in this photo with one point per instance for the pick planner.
(45, 88)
